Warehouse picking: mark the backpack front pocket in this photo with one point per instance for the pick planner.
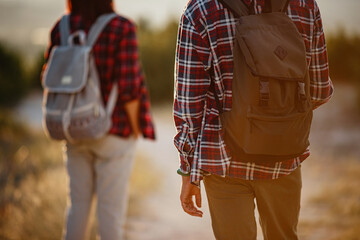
(277, 135)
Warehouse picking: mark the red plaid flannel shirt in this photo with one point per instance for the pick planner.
(117, 59)
(204, 55)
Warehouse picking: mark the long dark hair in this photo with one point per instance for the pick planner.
(90, 9)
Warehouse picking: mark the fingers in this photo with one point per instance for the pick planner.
(186, 197)
(189, 208)
(137, 134)
(198, 199)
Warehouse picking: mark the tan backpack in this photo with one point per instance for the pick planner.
(271, 113)
(73, 108)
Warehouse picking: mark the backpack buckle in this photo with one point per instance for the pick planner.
(264, 93)
(301, 97)
(79, 35)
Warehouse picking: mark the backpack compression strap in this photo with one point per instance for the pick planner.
(98, 27)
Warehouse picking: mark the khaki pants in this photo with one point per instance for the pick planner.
(231, 203)
(98, 168)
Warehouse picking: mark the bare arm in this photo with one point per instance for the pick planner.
(132, 109)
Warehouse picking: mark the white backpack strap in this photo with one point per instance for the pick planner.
(112, 99)
(93, 35)
(98, 27)
(65, 29)
(67, 119)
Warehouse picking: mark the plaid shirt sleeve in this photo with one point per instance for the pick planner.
(192, 82)
(321, 87)
(128, 74)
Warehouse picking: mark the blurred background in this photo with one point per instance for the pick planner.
(33, 183)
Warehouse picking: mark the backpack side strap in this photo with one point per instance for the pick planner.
(98, 27)
(238, 8)
(64, 29)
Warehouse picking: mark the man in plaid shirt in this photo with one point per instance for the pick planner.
(204, 69)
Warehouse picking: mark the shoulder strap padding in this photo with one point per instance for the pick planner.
(64, 29)
(94, 31)
(279, 5)
(98, 27)
(238, 7)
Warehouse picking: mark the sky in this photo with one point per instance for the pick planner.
(26, 23)
(335, 13)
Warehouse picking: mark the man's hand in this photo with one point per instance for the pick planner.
(189, 190)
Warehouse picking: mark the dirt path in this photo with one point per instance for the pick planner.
(335, 132)
(163, 218)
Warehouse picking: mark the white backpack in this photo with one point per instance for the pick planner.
(73, 108)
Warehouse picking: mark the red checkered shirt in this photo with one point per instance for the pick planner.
(117, 59)
(205, 41)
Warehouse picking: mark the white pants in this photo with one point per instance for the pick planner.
(98, 168)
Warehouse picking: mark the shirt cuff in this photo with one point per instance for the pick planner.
(182, 173)
(185, 150)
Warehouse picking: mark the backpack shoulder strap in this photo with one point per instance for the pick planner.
(238, 7)
(98, 27)
(277, 5)
(64, 29)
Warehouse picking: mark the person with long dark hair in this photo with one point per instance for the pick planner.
(101, 167)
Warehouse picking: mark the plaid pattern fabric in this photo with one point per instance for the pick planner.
(204, 56)
(117, 59)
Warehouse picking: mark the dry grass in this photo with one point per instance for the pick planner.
(33, 185)
(144, 180)
(337, 207)
(37, 212)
